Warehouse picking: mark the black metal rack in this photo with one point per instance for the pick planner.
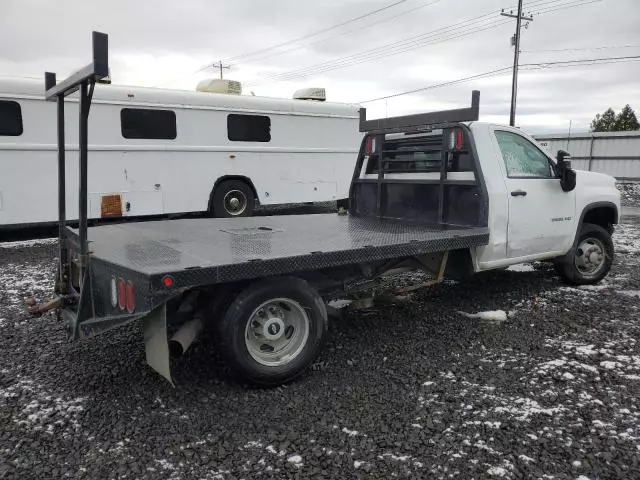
(84, 81)
(412, 124)
(421, 121)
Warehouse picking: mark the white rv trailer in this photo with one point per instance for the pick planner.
(157, 151)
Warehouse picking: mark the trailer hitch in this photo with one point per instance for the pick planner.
(38, 309)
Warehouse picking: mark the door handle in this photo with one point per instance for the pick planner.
(518, 193)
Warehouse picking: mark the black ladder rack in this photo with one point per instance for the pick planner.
(421, 121)
(84, 81)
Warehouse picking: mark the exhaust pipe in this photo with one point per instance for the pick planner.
(185, 336)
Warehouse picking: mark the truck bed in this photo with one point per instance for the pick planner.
(220, 250)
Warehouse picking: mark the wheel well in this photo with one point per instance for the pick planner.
(603, 216)
(231, 177)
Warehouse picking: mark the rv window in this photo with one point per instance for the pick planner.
(10, 118)
(148, 124)
(248, 128)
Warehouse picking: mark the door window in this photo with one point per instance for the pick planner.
(521, 157)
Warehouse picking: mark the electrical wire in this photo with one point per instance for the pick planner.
(347, 32)
(578, 49)
(526, 67)
(309, 35)
(317, 32)
(439, 35)
(565, 6)
(438, 85)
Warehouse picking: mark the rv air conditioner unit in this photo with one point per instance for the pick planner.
(218, 85)
(317, 94)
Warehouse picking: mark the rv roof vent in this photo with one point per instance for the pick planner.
(318, 94)
(218, 85)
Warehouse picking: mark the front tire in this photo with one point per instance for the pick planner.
(233, 198)
(590, 261)
(272, 331)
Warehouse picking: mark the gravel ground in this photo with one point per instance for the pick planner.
(543, 383)
(630, 194)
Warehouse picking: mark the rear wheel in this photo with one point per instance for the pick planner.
(233, 198)
(272, 331)
(592, 258)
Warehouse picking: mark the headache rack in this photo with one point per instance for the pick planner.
(421, 121)
(429, 191)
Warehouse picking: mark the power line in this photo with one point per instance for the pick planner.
(357, 59)
(546, 64)
(578, 49)
(435, 36)
(347, 32)
(565, 6)
(438, 85)
(395, 48)
(525, 66)
(318, 32)
(309, 35)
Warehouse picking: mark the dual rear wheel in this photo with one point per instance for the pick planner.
(272, 331)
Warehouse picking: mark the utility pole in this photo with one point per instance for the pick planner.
(516, 58)
(220, 66)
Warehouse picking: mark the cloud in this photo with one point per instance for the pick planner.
(156, 42)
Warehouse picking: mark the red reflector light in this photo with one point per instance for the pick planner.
(167, 281)
(370, 146)
(459, 139)
(122, 294)
(131, 299)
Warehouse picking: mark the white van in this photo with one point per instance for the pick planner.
(158, 151)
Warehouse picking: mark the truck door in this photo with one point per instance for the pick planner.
(541, 214)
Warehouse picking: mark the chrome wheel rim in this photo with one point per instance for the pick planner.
(590, 257)
(235, 202)
(277, 332)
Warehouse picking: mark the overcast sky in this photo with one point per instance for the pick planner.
(163, 42)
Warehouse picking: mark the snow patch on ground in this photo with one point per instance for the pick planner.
(43, 410)
(521, 267)
(21, 280)
(490, 316)
(29, 243)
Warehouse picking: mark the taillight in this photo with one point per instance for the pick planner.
(167, 281)
(131, 299)
(122, 294)
(456, 139)
(114, 293)
(370, 146)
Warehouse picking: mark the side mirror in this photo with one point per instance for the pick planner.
(567, 174)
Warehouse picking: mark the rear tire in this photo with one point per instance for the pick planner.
(233, 198)
(343, 203)
(272, 331)
(590, 261)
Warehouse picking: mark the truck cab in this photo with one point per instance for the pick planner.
(472, 173)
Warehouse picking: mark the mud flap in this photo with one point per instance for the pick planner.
(155, 342)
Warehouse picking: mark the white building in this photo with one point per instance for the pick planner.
(614, 153)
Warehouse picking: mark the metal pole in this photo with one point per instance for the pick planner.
(82, 148)
(62, 192)
(593, 139)
(516, 59)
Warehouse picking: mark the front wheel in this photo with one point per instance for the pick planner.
(592, 258)
(272, 331)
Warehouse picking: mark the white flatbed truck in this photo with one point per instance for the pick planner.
(439, 191)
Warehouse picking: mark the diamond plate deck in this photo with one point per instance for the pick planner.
(229, 249)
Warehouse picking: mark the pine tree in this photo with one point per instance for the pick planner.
(626, 120)
(605, 122)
